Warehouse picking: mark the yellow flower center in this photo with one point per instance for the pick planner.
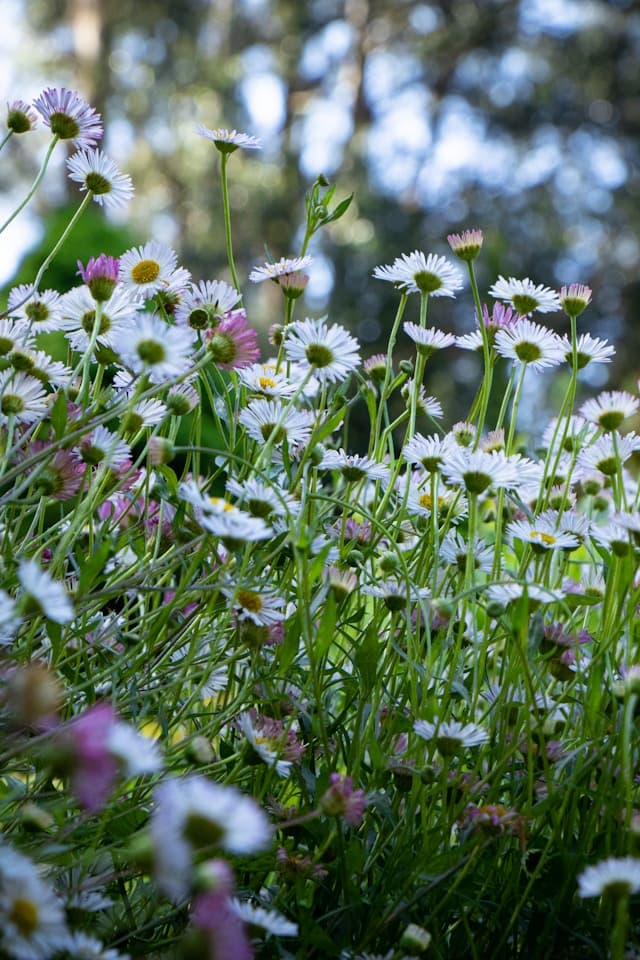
(266, 383)
(547, 538)
(145, 272)
(250, 600)
(24, 914)
(220, 502)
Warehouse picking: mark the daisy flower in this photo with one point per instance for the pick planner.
(429, 406)
(39, 365)
(101, 446)
(284, 267)
(450, 504)
(589, 350)
(263, 499)
(330, 352)
(575, 298)
(466, 245)
(541, 534)
(525, 296)
(275, 744)
(223, 519)
(454, 549)
(270, 921)
(610, 408)
(14, 333)
(607, 453)
(263, 378)
(262, 607)
(193, 814)
(578, 433)
(21, 117)
(613, 536)
(354, 467)
(22, 398)
(78, 308)
(430, 452)
(233, 343)
(264, 418)
(149, 345)
(145, 413)
(62, 476)
(203, 305)
(182, 398)
(512, 591)
(32, 919)
(616, 875)
(477, 470)
(69, 117)
(40, 309)
(9, 618)
(419, 273)
(396, 594)
(451, 737)
(226, 141)
(98, 175)
(530, 343)
(83, 947)
(428, 341)
(145, 270)
(46, 595)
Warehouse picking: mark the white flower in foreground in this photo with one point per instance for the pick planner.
(525, 296)
(149, 345)
(451, 737)
(608, 453)
(419, 273)
(263, 378)
(49, 597)
(589, 350)
(271, 418)
(354, 467)
(83, 947)
(430, 452)
(40, 309)
(192, 815)
(262, 499)
(145, 270)
(477, 470)
(428, 341)
(99, 175)
(227, 141)
(32, 918)
(610, 408)
(329, 351)
(269, 920)
(22, 398)
(541, 535)
(616, 875)
(530, 343)
(79, 313)
(284, 267)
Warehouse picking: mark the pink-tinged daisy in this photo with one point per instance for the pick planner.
(145, 270)
(354, 467)
(610, 408)
(608, 453)
(39, 309)
(21, 117)
(530, 343)
(62, 476)
(329, 351)
(466, 245)
(616, 876)
(525, 296)
(100, 275)
(69, 117)
(78, 308)
(575, 298)
(275, 744)
(262, 378)
(419, 273)
(103, 447)
(22, 398)
(32, 918)
(194, 815)
(226, 141)
(233, 344)
(202, 306)
(46, 596)
(589, 350)
(375, 367)
(341, 800)
(428, 341)
(263, 419)
(284, 267)
(541, 535)
(451, 737)
(430, 452)
(98, 175)
(270, 921)
(149, 345)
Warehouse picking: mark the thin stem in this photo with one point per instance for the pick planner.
(34, 186)
(65, 233)
(6, 139)
(227, 218)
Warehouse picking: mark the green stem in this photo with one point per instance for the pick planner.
(63, 237)
(487, 379)
(227, 219)
(6, 139)
(34, 186)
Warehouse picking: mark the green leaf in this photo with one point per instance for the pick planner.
(340, 210)
(326, 630)
(367, 657)
(91, 567)
(59, 415)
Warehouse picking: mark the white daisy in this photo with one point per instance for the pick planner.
(530, 343)
(263, 378)
(9, 618)
(525, 296)
(541, 534)
(451, 737)
(145, 270)
(194, 814)
(182, 398)
(428, 341)
(451, 504)
(78, 309)
(149, 345)
(136, 753)
(222, 518)
(267, 748)
(101, 446)
(284, 267)
(430, 452)
(98, 174)
(429, 406)
(329, 351)
(613, 536)
(269, 920)
(471, 341)
(477, 471)
(616, 875)
(396, 594)
(40, 309)
(512, 591)
(610, 408)
(263, 499)
(39, 365)
(578, 434)
(589, 350)
(22, 397)
(454, 549)
(83, 947)
(204, 304)
(145, 413)
(419, 273)
(14, 333)
(32, 918)
(607, 453)
(47, 595)
(227, 141)
(262, 607)
(265, 418)
(353, 467)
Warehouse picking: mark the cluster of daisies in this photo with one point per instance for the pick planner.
(209, 596)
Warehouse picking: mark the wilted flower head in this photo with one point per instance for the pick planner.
(341, 800)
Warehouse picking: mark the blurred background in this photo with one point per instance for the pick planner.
(522, 118)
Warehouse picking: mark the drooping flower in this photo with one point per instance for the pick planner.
(422, 273)
(263, 499)
(98, 175)
(226, 141)
(525, 296)
(477, 470)
(274, 743)
(69, 117)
